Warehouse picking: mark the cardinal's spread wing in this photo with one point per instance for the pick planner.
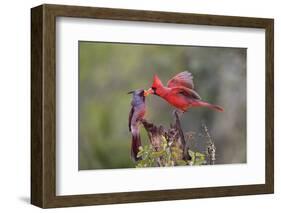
(130, 117)
(186, 92)
(184, 79)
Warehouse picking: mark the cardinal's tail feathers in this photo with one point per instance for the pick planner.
(212, 106)
(136, 143)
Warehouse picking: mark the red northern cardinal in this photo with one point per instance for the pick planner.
(135, 116)
(179, 92)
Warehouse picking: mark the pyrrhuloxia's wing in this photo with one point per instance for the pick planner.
(186, 92)
(184, 79)
(130, 117)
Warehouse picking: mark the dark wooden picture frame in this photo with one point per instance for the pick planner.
(43, 105)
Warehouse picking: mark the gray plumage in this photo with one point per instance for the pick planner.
(136, 114)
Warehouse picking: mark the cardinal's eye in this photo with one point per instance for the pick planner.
(154, 89)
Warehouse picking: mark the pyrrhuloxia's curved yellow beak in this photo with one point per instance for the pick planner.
(148, 92)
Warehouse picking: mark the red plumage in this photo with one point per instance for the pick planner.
(180, 92)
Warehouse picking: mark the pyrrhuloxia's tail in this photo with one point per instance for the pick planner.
(212, 106)
(136, 143)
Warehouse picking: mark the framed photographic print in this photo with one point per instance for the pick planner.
(136, 106)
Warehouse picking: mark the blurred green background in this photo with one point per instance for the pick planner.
(107, 71)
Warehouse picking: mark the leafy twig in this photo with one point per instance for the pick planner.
(211, 148)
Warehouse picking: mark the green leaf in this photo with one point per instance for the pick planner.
(157, 154)
(200, 162)
(181, 163)
(198, 154)
(191, 153)
(163, 139)
(141, 152)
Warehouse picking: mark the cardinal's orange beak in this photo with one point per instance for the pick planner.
(148, 92)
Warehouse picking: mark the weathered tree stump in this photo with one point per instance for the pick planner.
(185, 147)
(174, 136)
